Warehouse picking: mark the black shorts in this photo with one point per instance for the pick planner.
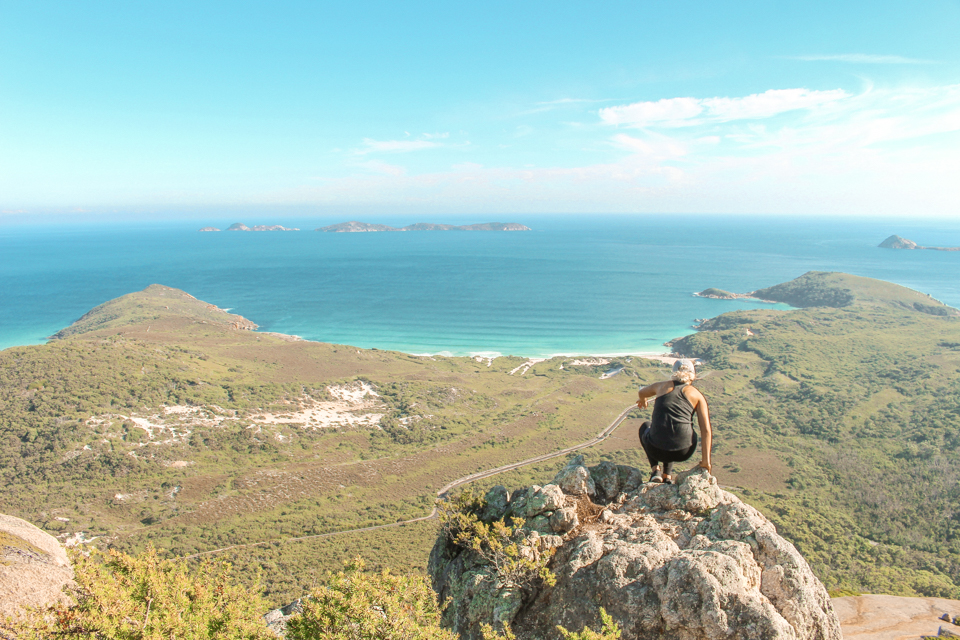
(655, 454)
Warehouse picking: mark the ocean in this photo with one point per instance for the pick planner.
(590, 285)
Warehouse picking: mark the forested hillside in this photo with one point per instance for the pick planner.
(862, 402)
(162, 419)
(159, 418)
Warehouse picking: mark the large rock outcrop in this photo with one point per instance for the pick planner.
(34, 568)
(687, 561)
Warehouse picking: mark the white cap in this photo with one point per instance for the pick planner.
(684, 364)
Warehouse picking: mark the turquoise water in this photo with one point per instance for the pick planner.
(573, 285)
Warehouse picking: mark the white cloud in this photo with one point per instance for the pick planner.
(667, 112)
(886, 151)
(379, 166)
(659, 148)
(863, 58)
(572, 101)
(395, 146)
(681, 112)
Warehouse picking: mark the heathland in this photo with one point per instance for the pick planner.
(160, 419)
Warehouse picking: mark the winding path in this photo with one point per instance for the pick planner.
(600, 437)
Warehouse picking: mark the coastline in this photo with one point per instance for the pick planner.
(733, 296)
(664, 355)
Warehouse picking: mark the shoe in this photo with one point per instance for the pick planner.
(656, 477)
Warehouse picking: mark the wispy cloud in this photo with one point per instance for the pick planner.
(683, 112)
(395, 146)
(379, 166)
(863, 58)
(574, 101)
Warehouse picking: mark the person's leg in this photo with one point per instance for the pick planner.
(677, 456)
(651, 451)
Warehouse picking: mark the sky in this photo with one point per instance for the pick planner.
(161, 108)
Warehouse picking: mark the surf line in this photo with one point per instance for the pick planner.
(480, 475)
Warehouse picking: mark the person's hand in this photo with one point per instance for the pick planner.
(642, 403)
(706, 465)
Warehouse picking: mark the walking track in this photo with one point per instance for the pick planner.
(603, 435)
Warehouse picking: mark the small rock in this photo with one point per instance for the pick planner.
(497, 501)
(564, 520)
(547, 498)
(575, 479)
(606, 477)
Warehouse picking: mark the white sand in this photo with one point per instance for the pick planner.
(355, 405)
(526, 365)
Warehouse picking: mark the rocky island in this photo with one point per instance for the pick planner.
(720, 294)
(239, 226)
(363, 227)
(897, 242)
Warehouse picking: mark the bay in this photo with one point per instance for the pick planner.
(573, 285)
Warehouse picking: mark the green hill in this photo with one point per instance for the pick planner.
(160, 418)
(831, 289)
(157, 304)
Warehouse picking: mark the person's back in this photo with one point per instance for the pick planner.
(671, 427)
(669, 436)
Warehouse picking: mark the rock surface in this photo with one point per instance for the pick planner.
(875, 617)
(687, 561)
(34, 568)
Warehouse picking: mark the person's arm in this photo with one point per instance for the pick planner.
(706, 433)
(651, 391)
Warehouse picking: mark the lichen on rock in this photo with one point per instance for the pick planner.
(688, 561)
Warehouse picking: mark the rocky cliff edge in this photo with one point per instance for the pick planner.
(688, 561)
(34, 568)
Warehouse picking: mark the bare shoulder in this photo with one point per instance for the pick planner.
(694, 394)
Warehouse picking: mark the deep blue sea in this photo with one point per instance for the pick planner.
(574, 285)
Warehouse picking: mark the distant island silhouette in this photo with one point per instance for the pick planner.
(896, 242)
(239, 226)
(361, 227)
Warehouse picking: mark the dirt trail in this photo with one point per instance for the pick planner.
(603, 435)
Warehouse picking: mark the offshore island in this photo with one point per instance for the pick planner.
(362, 227)
(355, 226)
(897, 242)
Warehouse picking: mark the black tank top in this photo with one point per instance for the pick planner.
(672, 426)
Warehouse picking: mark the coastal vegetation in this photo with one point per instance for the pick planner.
(159, 418)
(861, 405)
(117, 596)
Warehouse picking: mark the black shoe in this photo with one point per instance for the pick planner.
(656, 477)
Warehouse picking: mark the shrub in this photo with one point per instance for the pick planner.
(149, 598)
(609, 631)
(498, 543)
(355, 606)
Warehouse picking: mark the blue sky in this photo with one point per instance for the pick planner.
(156, 108)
